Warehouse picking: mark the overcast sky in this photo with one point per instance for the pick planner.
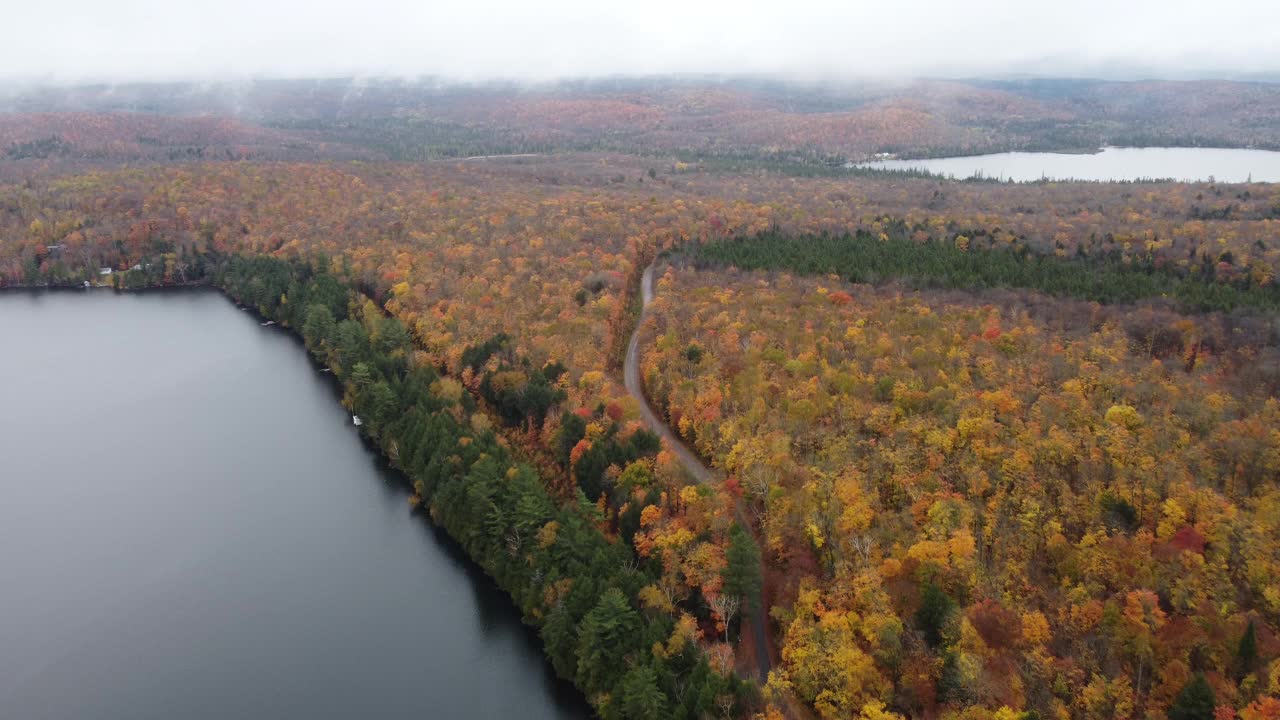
(75, 40)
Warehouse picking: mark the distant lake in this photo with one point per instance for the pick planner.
(190, 527)
(1112, 163)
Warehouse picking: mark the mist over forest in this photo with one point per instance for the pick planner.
(672, 323)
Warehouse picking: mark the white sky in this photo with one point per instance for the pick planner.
(70, 40)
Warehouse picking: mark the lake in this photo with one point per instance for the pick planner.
(190, 527)
(1112, 163)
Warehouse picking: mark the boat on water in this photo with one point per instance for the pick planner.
(268, 323)
(355, 420)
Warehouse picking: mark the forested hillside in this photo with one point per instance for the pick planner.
(1005, 451)
(705, 117)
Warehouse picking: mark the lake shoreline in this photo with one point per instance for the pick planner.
(422, 439)
(1081, 150)
(567, 696)
(1109, 163)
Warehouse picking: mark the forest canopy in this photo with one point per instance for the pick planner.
(971, 449)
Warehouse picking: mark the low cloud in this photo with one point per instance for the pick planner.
(78, 40)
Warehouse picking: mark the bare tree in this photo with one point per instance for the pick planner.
(725, 702)
(726, 606)
(863, 544)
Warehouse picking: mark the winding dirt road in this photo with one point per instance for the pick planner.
(692, 463)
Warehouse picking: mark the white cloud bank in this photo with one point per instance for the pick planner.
(68, 40)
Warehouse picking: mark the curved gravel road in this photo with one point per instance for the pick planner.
(690, 460)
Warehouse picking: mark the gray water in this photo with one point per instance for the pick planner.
(190, 527)
(1110, 164)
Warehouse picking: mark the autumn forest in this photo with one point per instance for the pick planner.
(919, 447)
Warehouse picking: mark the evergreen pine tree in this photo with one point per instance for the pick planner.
(641, 698)
(1194, 702)
(935, 610)
(742, 573)
(1247, 650)
(605, 636)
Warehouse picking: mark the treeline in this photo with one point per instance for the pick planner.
(414, 139)
(959, 263)
(572, 581)
(52, 146)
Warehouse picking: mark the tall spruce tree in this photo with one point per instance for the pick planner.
(1247, 650)
(742, 572)
(1194, 702)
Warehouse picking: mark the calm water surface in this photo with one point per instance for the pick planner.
(191, 528)
(1111, 163)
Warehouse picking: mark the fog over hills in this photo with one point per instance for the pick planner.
(73, 41)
